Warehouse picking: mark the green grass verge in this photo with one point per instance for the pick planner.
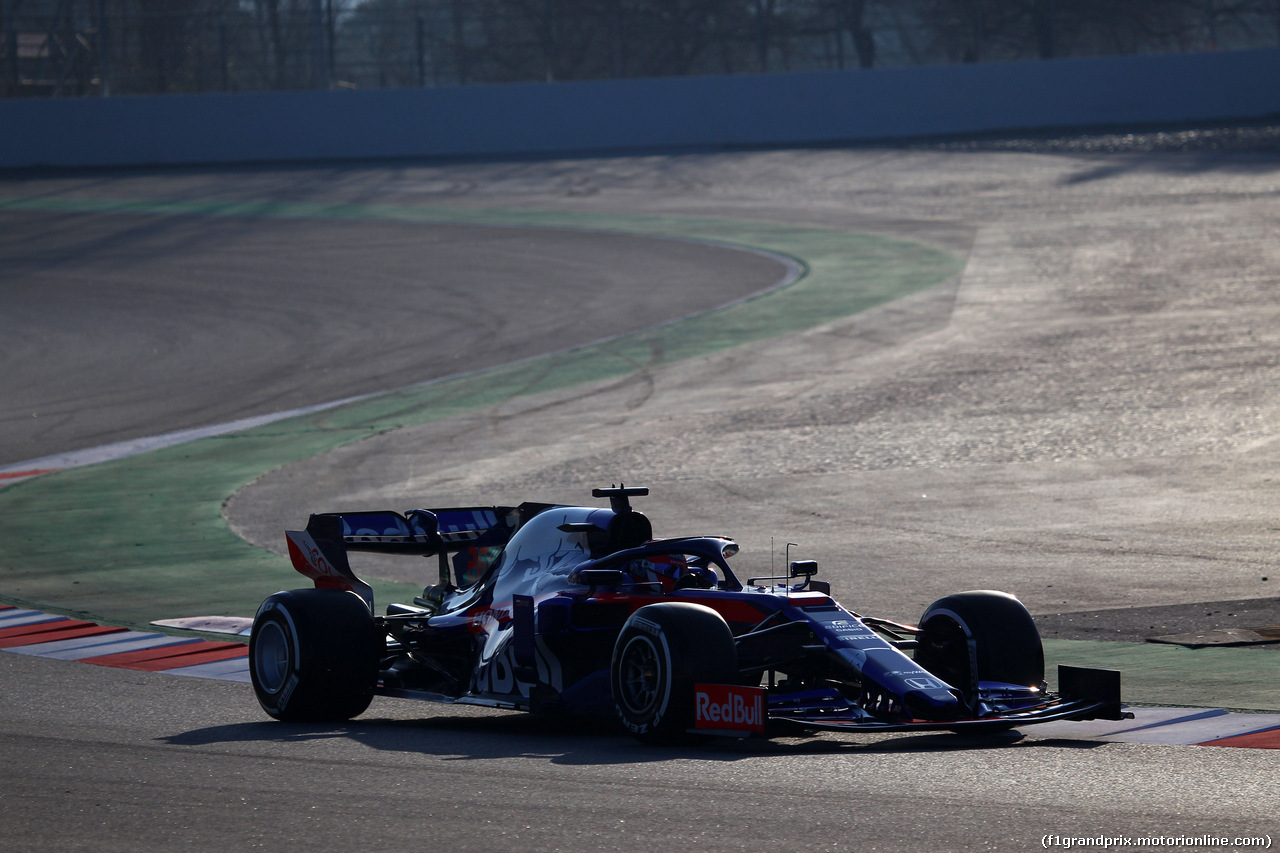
(1239, 678)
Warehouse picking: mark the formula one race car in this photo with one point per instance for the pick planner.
(579, 610)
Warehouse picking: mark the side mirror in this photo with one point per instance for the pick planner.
(597, 577)
(804, 568)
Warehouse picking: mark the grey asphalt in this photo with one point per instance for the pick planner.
(121, 326)
(111, 760)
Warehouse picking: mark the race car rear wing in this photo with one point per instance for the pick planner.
(421, 531)
(320, 551)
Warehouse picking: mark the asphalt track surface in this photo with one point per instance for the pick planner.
(119, 326)
(110, 760)
(1085, 417)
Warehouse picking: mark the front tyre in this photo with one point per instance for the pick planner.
(980, 635)
(314, 655)
(662, 651)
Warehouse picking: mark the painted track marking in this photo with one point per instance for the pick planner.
(32, 632)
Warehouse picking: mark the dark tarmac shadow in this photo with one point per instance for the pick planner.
(590, 742)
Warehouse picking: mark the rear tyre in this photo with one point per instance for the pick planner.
(662, 651)
(314, 655)
(980, 635)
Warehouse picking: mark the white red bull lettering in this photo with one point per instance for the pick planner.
(728, 707)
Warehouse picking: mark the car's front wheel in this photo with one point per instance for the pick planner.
(662, 651)
(981, 635)
(314, 655)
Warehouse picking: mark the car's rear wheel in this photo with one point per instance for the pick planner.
(980, 635)
(662, 651)
(314, 655)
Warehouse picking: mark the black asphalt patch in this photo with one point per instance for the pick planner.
(1209, 621)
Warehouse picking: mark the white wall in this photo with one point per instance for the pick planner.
(744, 110)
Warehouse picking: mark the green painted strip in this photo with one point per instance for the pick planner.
(144, 538)
(1243, 679)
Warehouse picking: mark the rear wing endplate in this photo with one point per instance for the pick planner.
(320, 551)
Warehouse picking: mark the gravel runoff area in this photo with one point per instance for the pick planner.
(1088, 417)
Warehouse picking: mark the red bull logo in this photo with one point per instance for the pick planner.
(728, 707)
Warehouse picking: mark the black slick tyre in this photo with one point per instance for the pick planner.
(662, 651)
(314, 655)
(980, 635)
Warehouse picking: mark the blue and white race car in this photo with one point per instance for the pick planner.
(580, 610)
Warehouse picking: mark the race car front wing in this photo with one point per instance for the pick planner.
(1084, 694)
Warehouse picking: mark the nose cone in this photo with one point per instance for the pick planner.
(933, 705)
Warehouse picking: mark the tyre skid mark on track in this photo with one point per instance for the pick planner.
(33, 632)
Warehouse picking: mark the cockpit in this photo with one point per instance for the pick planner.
(543, 553)
(572, 547)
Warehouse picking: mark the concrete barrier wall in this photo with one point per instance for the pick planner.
(614, 115)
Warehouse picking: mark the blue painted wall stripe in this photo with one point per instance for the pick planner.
(614, 115)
